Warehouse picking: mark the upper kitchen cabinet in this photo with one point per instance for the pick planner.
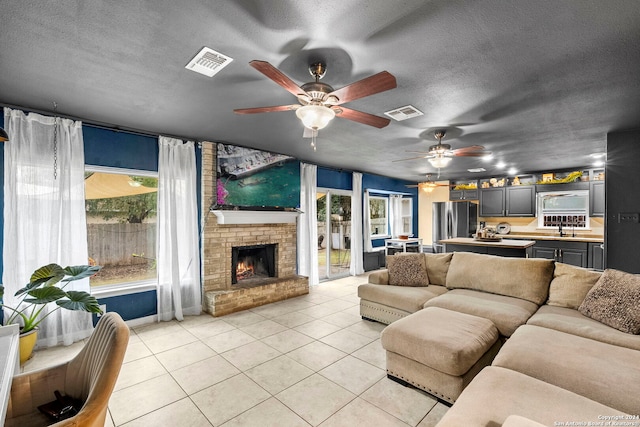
(512, 200)
(596, 198)
(464, 191)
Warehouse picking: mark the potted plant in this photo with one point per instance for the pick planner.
(42, 290)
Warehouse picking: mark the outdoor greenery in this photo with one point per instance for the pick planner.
(127, 209)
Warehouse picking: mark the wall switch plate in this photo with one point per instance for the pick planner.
(628, 217)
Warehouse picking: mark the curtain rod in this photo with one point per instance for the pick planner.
(93, 123)
(373, 190)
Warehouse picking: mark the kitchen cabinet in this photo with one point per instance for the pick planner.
(573, 253)
(508, 201)
(596, 256)
(492, 202)
(596, 198)
(463, 194)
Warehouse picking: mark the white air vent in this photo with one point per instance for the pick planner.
(404, 113)
(477, 170)
(208, 62)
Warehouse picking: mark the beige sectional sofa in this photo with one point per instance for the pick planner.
(567, 348)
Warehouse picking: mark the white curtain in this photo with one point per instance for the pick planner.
(307, 224)
(44, 213)
(395, 218)
(178, 259)
(357, 260)
(366, 214)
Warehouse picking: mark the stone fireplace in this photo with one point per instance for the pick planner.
(226, 232)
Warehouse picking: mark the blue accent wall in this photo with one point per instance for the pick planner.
(331, 178)
(131, 306)
(104, 147)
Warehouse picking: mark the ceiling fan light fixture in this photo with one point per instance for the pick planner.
(440, 162)
(315, 117)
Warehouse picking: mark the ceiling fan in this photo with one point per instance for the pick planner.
(428, 186)
(440, 155)
(319, 102)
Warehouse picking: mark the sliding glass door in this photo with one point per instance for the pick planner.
(334, 233)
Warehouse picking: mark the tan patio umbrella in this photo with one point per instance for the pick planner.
(108, 185)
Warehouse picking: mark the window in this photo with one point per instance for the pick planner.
(407, 215)
(121, 207)
(378, 210)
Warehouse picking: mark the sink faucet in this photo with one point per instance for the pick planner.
(560, 229)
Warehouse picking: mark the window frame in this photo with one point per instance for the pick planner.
(407, 215)
(386, 234)
(117, 289)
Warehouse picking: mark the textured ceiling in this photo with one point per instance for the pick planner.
(538, 83)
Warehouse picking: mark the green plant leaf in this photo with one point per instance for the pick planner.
(78, 272)
(48, 274)
(79, 300)
(45, 295)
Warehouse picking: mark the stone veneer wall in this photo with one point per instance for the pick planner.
(220, 298)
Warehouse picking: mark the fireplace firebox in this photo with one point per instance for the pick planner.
(251, 264)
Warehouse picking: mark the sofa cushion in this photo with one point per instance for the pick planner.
(573, 322)
(518, 421)
(507, 313)
(444, 340)
(496, 393)
(437, 267)
(570, 285)
(410, 299)
(615, 301)
(525, 278)
(602, 372)
(407, 270)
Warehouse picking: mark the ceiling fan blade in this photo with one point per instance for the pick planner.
(410, 158)
(473, 154)
(365, 87)
(471, 149)
(277, 76)
(360, 117)
(413, 186)
(266, 109)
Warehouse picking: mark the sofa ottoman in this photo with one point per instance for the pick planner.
(439, 350)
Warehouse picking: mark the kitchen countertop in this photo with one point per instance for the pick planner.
(568, 238)
(504, 243)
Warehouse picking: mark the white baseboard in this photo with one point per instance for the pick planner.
(142, 321)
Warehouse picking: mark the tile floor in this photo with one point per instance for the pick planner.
(305, 361)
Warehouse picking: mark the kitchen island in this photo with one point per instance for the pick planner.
(504, 247)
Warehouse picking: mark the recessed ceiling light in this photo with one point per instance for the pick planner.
(598, 155)
(501, 165)
(476, 170)
(512, 171)
(598, 163)
(487, 157)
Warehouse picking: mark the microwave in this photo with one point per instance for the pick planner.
(567, 208)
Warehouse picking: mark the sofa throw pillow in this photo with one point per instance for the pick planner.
(570, 285)
(407, 270)
(437, 267)
(615, 301)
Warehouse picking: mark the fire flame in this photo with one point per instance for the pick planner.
(243, 270)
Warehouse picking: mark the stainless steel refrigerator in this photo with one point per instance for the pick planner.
(453, 219)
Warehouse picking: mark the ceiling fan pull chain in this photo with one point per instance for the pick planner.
(55, 142)
(314, 133)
